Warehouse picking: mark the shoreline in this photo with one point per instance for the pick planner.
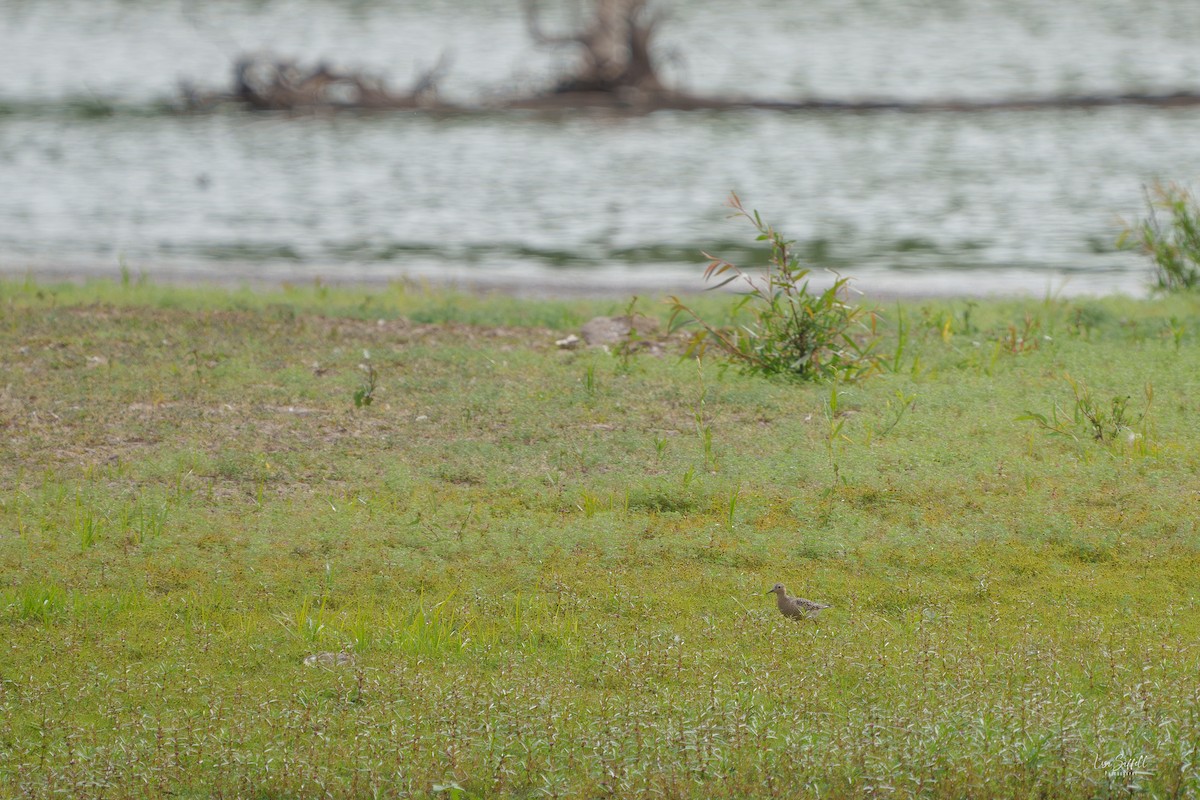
(596, 284)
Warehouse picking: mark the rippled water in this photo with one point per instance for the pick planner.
(996, 201)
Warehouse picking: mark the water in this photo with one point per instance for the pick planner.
(937, 202)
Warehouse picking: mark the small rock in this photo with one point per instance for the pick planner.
(602, 331)
(569, 343)
(329, 660)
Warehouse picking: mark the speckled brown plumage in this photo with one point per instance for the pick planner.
(795, 607)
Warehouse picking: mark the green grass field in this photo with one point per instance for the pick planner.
(551, 565)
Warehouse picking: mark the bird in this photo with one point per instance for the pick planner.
(795, 607)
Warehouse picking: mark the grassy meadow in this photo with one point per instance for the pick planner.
(550, 565)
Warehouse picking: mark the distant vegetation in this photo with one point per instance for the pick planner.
(619, 68)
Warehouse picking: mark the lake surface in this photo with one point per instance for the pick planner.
(95, 173)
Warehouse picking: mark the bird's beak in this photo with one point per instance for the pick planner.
(768, 591)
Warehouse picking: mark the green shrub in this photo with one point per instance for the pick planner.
(793, 331)
(1174, 249)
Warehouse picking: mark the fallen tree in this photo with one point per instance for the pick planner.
(262, 83)
(615, 43)
(617, 69)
